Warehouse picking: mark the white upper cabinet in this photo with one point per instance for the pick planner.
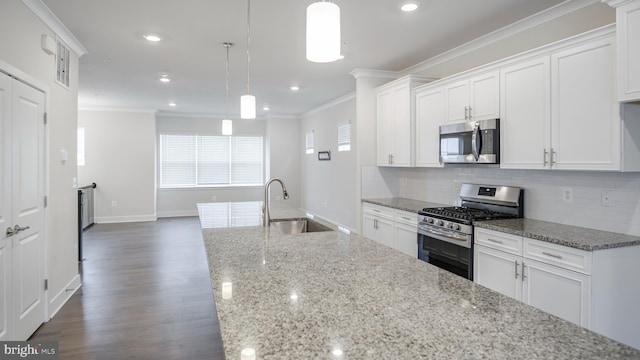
(473, 98)
(628, 36)
(525, 95)
(559, 110)
(585, 119)
(396, 122)
(429, 116)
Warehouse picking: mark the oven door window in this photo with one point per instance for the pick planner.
(444, 255)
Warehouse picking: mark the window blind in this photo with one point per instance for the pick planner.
(344, 137)
(309, 142)
(201, 161)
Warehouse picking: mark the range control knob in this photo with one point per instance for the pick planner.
(450, 226)
(440, 223)
(430, 220)
(457, 227)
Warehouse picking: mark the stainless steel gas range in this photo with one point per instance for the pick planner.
(445, 235)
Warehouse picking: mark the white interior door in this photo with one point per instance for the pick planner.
(5, 207)
(27, 203)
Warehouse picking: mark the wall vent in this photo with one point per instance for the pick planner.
(62, 64)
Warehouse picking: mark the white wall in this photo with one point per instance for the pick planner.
(329, 188)
(283, 158)
(183, 202)
(543, 190)
(120, 159)
(21, 55)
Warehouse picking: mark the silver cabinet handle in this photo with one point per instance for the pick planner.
(495, 241)
(375, 224)
(10, 232)
(469, 112)
(544, 157)
(552, 156)
(523, 275)
(517, 269)
(552, 255)
(406, 218)
(466, 109)
(391, 159)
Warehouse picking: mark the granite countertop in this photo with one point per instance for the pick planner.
(572, 236)
(409, 205)
(329, 295)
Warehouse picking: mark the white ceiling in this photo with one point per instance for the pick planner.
(122, 69)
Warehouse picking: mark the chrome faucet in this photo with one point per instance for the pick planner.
(265, 205)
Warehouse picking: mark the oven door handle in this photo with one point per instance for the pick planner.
(476, 141)
(442, 236)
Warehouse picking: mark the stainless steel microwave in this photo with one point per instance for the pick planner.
(476, 142)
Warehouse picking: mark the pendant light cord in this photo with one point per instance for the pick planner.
(227, 45)
(248, 41)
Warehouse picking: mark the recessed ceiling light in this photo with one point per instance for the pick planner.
(294, 88)
(266, 108)
(152, 38)
(165, 78)
(337, 352)
(409, 6)
(172, 104)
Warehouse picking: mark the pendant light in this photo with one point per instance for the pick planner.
(323, 32)
(227, 124)
(248, 101)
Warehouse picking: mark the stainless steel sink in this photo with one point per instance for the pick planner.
(298, 226)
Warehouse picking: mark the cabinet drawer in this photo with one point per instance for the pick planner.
(499, 240)
(558, 255)
(406, 217)
(378, 210)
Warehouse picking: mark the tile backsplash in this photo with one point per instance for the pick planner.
(617, 210)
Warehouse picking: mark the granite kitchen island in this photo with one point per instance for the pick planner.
(329, 295)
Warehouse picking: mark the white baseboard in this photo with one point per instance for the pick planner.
(124, 219)
(61, 298)
(177, 213)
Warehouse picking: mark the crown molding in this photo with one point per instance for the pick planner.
(385, 74)
(113, 109)
(564, 8)
(330, 104)
(51, 20)
(616, 3)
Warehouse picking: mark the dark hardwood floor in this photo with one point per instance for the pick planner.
(146, 294)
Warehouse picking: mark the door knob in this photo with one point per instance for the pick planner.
(18, 228)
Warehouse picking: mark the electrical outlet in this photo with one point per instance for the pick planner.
(567, 195)
(607, 198)
(114, 203)
(456, 185)
(214, 198)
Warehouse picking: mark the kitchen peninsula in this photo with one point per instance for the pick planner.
(333, 295)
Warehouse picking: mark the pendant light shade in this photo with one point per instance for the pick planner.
(248, 107)
(248, 101)
(227, 127)
(323, 32)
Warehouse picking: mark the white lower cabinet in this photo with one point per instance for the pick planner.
(595, 289)
(396, 229)
(406, 232)
(563, 293)
(504, 263)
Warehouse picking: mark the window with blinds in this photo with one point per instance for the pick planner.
(309, 143)
(210, 161)
(344, 137)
